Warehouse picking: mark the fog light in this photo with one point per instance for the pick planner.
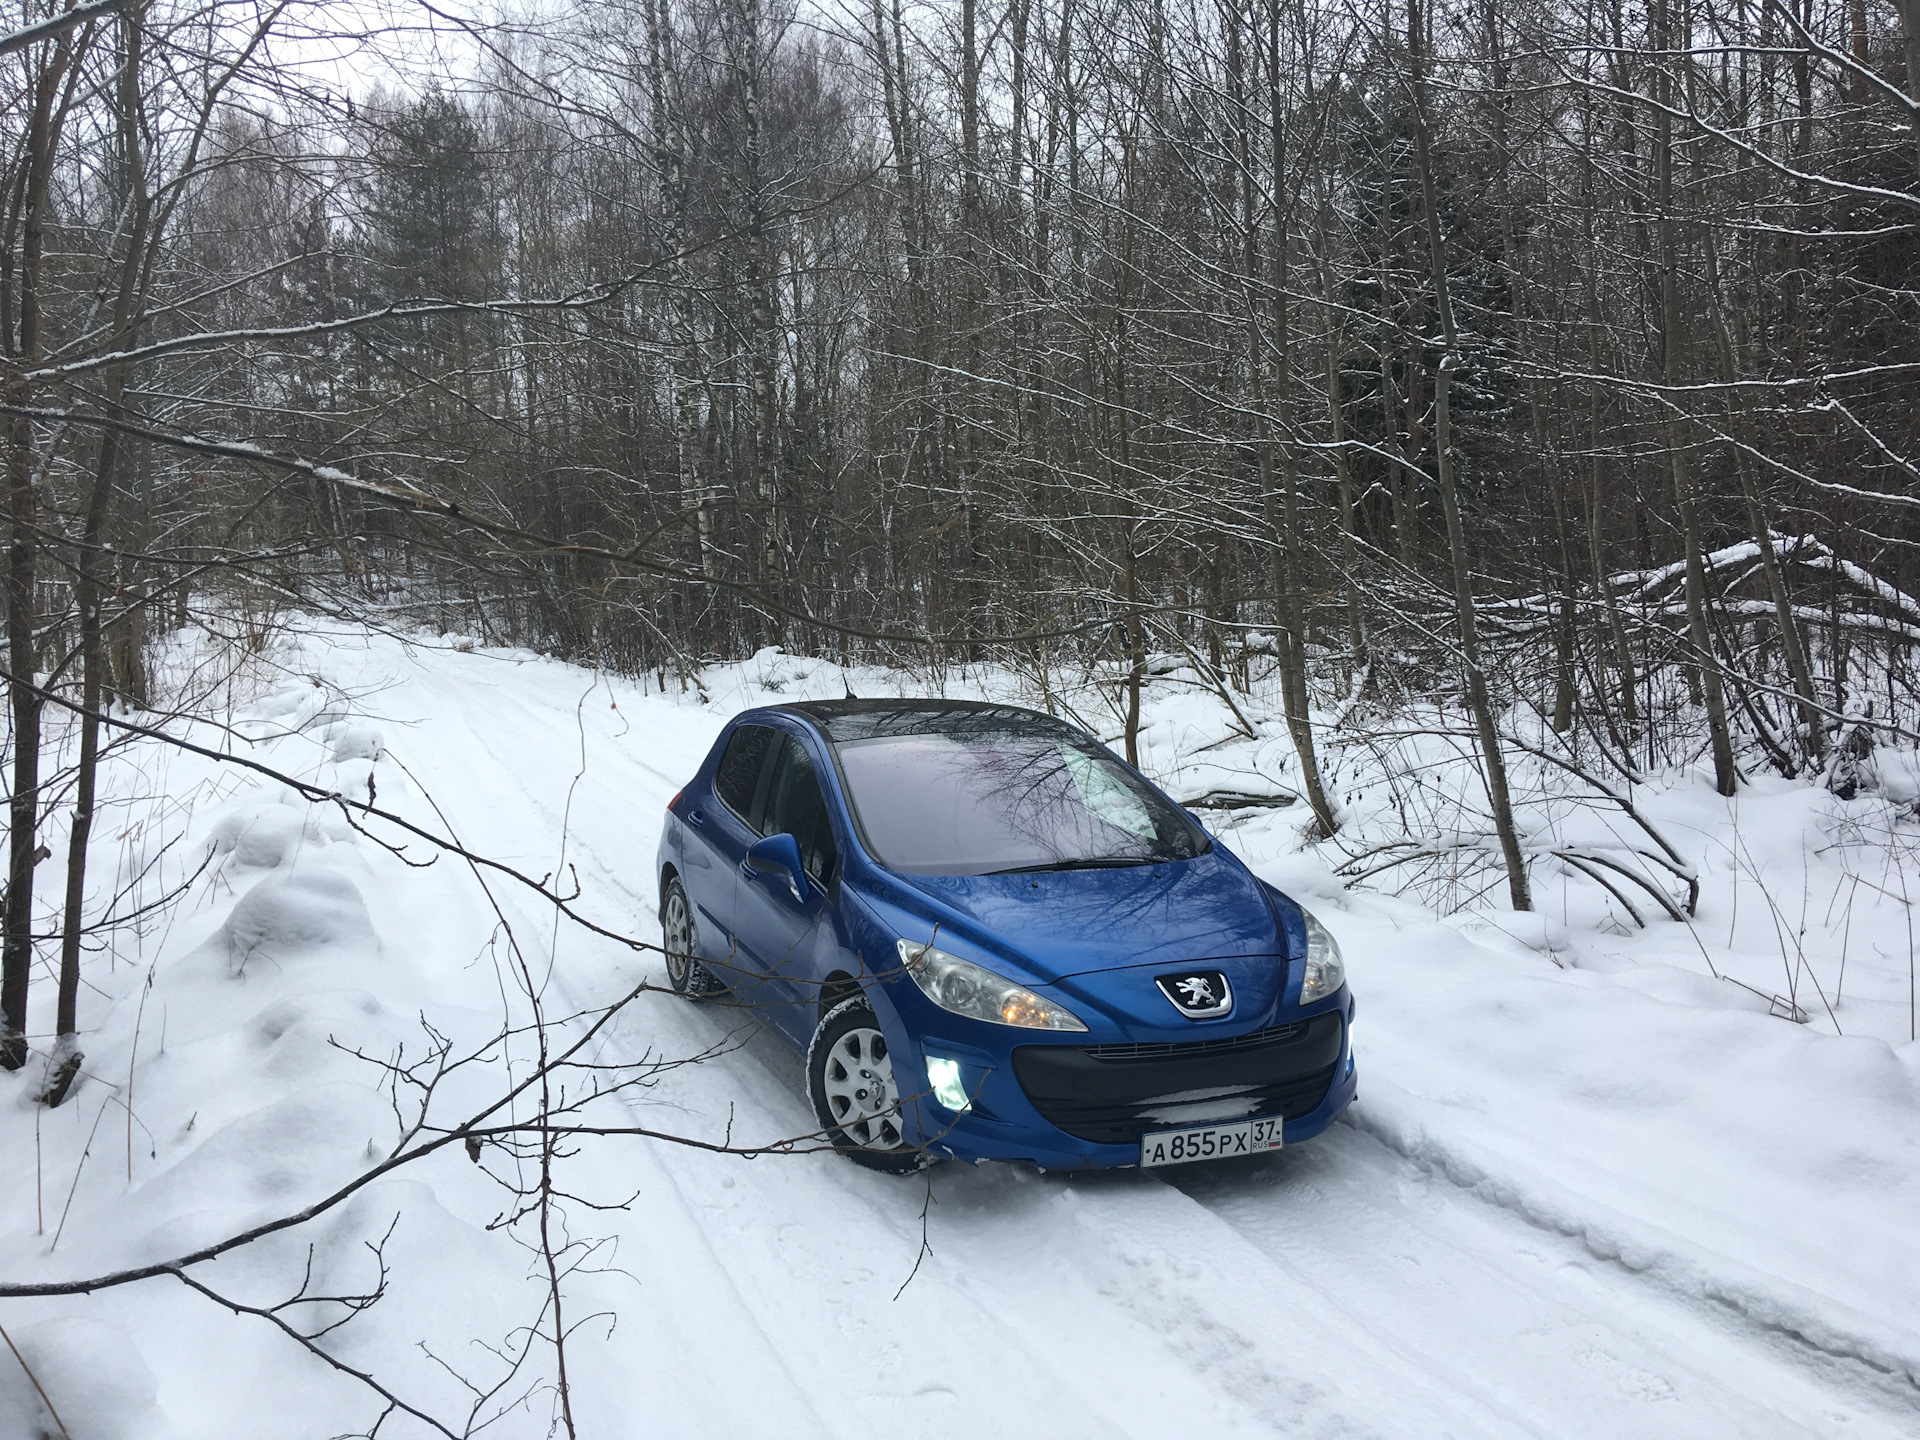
(943, 1077)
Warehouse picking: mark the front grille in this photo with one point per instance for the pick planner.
(1151, 1049)
(1111, 1094)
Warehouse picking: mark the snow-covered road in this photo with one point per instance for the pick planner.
(1338, 1288)
(1510, 1236)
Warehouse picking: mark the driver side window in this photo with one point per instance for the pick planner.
(796, 807)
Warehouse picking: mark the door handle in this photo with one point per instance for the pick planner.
(696, 817)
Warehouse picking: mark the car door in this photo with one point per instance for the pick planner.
(724, 825)
(792, 941)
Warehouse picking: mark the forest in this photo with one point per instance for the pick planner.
(1531, 359)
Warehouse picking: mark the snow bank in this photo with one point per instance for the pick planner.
(263, 834)
(285, 916)
(356, 741)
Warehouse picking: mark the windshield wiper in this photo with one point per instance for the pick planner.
(1092, 862)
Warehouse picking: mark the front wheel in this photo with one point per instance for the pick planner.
(855, 1093)
(685, 973)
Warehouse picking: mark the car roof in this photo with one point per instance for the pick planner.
(841, 720)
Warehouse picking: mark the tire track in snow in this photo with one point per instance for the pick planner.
(1744, 1300)
(715, 1316)
(1578, 1344)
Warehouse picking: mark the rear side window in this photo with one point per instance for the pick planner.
(740, 767)
(796, 807)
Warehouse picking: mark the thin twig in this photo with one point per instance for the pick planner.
(39, 1389)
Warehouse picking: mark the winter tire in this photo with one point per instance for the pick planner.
(850, 1078)
(686, 974)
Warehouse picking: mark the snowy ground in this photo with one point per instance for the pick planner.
(1588, 1189)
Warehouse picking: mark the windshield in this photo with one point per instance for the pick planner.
(981, 801)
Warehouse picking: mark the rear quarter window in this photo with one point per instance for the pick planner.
(739, 774)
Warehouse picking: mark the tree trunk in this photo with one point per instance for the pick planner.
(1403, 478)
(1706, 665)
(1596, 511)
(1910, 25)
(1343, 477)
(1281, 500)
(1792, 642)
(670, 160)
(1564, 630)
(1478, 699)
(92, 561)
(750, 63)
(22, 558)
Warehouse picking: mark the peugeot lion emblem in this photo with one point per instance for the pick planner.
(1197, 994)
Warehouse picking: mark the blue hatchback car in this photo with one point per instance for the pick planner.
(994, 940)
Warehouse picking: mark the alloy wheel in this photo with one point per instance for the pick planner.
(858, 1081)
(687, 975)
(677, 930)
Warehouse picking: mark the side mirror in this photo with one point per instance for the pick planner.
(779, 855)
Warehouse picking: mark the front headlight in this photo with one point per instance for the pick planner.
(1326, 972)
(977, 993)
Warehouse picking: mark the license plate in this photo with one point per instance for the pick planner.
(1210, 1142)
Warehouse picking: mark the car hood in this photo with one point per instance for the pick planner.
(1061, 923)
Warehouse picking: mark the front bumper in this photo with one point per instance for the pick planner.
(1085, 1107)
